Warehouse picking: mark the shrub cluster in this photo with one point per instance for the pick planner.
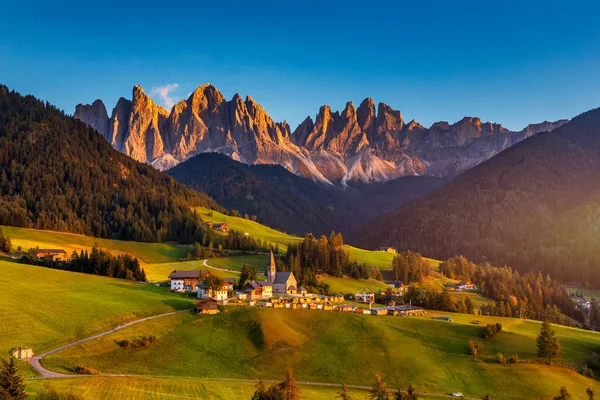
(144, 341)
(85, 371)
(491, 330)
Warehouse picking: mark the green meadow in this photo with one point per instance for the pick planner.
(334, 347)
(146, 252)
(44, 308)
(142, 388)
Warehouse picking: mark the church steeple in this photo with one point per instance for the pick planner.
(271, 270)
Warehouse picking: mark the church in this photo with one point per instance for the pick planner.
(283, 282)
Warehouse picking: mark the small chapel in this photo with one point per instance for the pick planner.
(284, 282)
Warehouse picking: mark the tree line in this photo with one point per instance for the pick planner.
(325, 255)
(97, 262)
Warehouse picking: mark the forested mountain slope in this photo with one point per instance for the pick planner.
(294, 204)
(535, 206)
(58, 174)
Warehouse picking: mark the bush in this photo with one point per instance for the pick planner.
(85, 371)
(137, 343)
(474, 347)
(490, 330)
(501, 359)
(514, 359)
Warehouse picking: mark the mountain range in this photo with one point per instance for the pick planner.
(535, 207)
(365, 144)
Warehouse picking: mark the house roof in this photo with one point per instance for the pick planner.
(54, 251)
(250, 286)
(292, 287)
(229, 280)
(219, 225)
(282, 277)
(464, 283)
(183, 274)
(265, 283)
(301, 288)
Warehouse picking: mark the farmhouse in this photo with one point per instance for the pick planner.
(22, 353)
(396, 284)
(208, 306)
(465, 285)
(184, 281)
(208, 223)
(223, 227)
(55, 254)
(387, 249)
(283, 282)
(218, 295)
(230, 283)
(258, 290)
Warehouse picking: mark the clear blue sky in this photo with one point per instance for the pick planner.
(509, 62)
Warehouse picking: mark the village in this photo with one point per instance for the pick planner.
(279, 290)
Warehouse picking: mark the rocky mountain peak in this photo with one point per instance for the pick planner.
(94, 115)
(364, 143)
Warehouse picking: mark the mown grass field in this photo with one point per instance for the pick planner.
(587, 293)
(145, 252)
(142, 388)
(260, 262)
(334, 347)
(43, 308)
(254, 229)
(351, 286)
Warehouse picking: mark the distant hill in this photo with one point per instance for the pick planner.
(535, 206)
(292, 203)
(58, 174)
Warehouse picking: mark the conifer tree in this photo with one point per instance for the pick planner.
(343, 394)
(291, 390)
(547, 343)
(590, 393)
(380, 390)
(11, 381)
(563, 394)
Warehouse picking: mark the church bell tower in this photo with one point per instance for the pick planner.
(271, 271)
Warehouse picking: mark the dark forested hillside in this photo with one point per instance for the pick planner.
(535, 206)
(58, 174)
(292, 203)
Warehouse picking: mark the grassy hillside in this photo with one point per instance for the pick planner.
(43, 308)
(333, 347)
(140, 388)
(145, 252)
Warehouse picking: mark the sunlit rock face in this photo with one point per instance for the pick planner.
(366, 144)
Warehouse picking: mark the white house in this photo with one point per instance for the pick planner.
(219, 295)
(465, 285)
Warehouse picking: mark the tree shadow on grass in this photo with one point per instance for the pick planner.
(178, 304)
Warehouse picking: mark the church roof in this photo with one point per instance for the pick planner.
(272, 264)
(283, 276)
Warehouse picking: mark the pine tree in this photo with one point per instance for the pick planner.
(380, 390)
(410, 394)
(590, 393)
(547, 343)
(291, 390)
(563, 394)
(11, 382)
(343, 394)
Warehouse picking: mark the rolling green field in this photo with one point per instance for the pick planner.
(351, 286)
(43, 308)
(146, 252)
(142, 388)
(254, 229)
(333, 347)
(260, 262)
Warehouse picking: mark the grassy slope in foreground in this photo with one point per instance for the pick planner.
(134, 388)
(42, 307)
(333, 347)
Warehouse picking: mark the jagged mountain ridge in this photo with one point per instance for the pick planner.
(355, 145)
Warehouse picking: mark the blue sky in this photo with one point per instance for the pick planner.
(512, 62)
